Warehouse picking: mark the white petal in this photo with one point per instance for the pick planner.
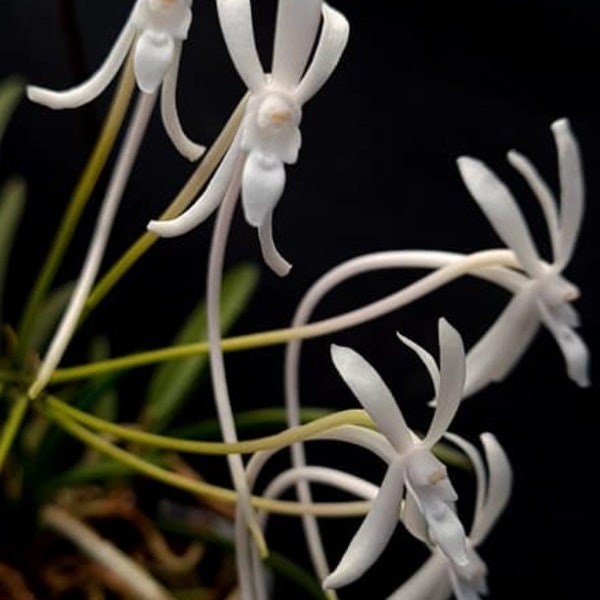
(571, 189)
(574, 350)
(452, 381)
(168, 107)
(374, 533)
(235, 17)
(543, 194)
(567, 314)
(271, 255)
(431, 582)
(426, 359)
(154, 53)
(95, 85)
(263, 181)
(374, 396)
(332, 41)
(501, 209)
(480, 474)
(445, 528)
(208, 201)
(464, 589)
(413, 519)
(500, 348)
(499, 488)
(295, 33)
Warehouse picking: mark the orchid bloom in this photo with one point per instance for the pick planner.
(269, 135)
(156, 29)
(413, 466)
(439, 577)
(544, 295)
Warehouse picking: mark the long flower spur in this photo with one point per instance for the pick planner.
(156, 29)
(269, 135)
(541, 295)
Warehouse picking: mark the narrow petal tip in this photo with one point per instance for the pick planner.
(45, 97)
(161, 228)
(560, 125)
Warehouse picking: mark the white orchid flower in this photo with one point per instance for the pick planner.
(156, 29)
(269, 135)
(544, 295)
(414, 473)
(439, 577)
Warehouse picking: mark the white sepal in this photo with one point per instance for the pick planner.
(452, 381)
(295, 31)
(332, 42)
(375, 531)
(502, 211)
(170, 118)
(91, 88)
(206, 203)
(270, 254)
(235, 17)
(374, 396)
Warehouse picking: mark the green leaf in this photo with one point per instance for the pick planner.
(172, 382)
(12, 202)
(260, 420)
(50, 312)
(101, 470)
(56, 450)
(11, 91)
(107, 404)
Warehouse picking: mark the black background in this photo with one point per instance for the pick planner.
(420, 84)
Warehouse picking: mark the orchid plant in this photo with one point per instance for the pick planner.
(45, 407)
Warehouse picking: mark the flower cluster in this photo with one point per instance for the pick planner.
(416, 491)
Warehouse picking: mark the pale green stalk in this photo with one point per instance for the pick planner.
(200, 488)
(480, 264)
(270, 442)
(79, 199)
(183, 199)
(11, 426)
(110, 204)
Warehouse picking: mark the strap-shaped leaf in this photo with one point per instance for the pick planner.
(11, 91)
(172, 382)
(12, 202)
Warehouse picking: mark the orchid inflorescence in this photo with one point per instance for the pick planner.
(416, 492)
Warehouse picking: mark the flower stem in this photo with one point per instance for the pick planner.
(183, 199)
(270, 442)
(486, 264)
(216, 261)
(68, 324)
(78, 201)
(200, 488)
(12, 426)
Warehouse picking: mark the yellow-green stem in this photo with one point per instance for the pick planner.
(79, 199)
(183, 199)
(200, 488)
(11, 426)
(279, 440)
(140, 359)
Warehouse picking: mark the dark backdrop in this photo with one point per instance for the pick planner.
(421, 83)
